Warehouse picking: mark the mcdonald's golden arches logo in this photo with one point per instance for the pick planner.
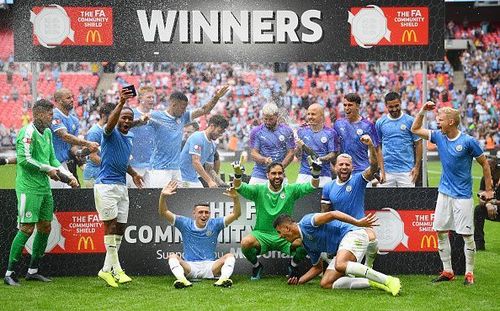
(93, 35)
(87, 242)
(409, 35)
(429, 240)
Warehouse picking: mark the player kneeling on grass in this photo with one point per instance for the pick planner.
(110, 190)
(336, 232)
(36, 162)
(199, 235)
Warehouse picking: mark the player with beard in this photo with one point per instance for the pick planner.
(270, 142)
(272, 199)
(454, 206)
(401, 149)
(65, 131)
(110, 190)
(36, 162)
(198, 155)
(347, 192)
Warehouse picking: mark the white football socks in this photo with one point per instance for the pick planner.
(470, 251)
(176, 268)
(227, 269)
(444, 248)
(357, 269)
(346, 282)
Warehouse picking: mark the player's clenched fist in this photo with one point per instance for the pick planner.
(366, 139)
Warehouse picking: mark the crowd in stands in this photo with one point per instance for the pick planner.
(253, 85)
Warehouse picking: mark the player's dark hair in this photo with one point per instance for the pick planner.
(218, 121)
(42, 105)
(353, 98)
(106, 109)
(128, 108)
(392, 96)
(282, 219)
(178, 96)
(202, 204)
(273, 164)
(194, 124)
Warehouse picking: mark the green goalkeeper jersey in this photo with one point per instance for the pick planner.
(35, 157)
(269, 204)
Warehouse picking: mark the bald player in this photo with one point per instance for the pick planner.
(65, 131)
(322, 140)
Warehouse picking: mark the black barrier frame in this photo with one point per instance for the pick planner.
(139, 258)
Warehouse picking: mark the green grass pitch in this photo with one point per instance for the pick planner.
(271, 293)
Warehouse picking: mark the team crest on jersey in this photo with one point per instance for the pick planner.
(281, 138)
(178, 121)
(28, 214)
(359, 132)
(348, 188)
(197, 147)
(459, 148)
(56, 121)
(209, 233)
(27, 140)
(282, 195)
(403, 127)
(309, 237)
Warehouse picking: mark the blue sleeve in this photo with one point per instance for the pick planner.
(186, 117)
(57, 122)
(434, 137)
(373, 134)
(290, 144)
(474, 148)
(155, 120)
(333, 141)
(181, 222)
(217, 224)
(211, 157)
(315, 257)
(325, 194)
(195, 145)
(409, 123)
(77, 126)
(378, 128)
(360, 181)
(254, 140)
(94, 136)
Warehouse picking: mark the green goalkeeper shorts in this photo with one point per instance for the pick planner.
(271, 242)
(32, 208)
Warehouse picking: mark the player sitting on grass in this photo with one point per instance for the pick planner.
(334, 232)
(199, 235)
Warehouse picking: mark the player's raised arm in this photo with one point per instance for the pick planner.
(417, 126)
(211, 104)
(323, 218)
(374, 159)
(236, 213)
(169, 190)
(115, 114)
(238, 172)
